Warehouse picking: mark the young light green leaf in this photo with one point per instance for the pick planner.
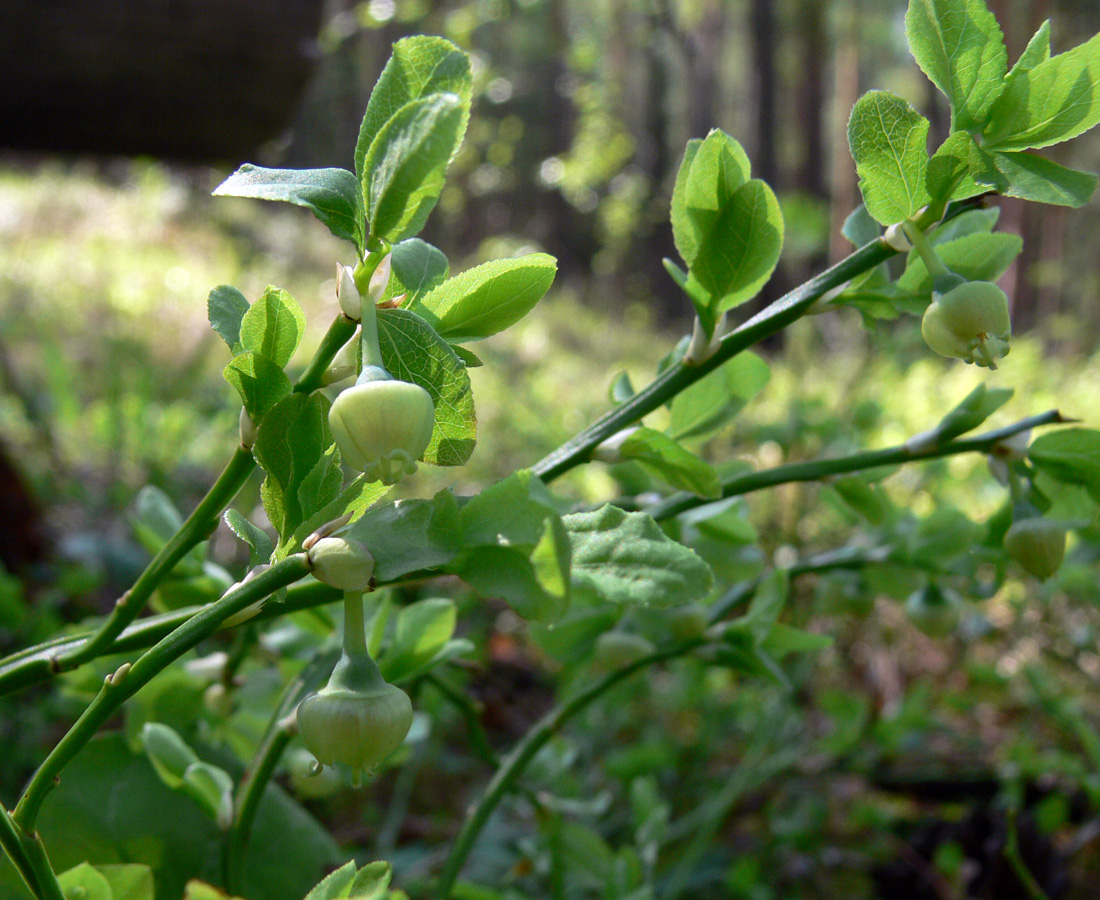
(212, 789)
(418, 67)
(715, 399)
(423, 628)
(949, 170)
(959, 46)
(273, 326)
(976, 257)
(335, 885)
(259, 543)
(168, 752)
(864, 498)
(889, 143)
(738, 254)
(974, 409)
(406, 164)
(684, 233)
(625, 558)
(332, 195)
(85, 883)
(1055, 100)
(260, 381)
(487, 298)
(1071, 455)
(128, 881)
(1036, 51)
(470, 359)
(413, 351)
(1031, 177)
(666, 459)
(372, 882)
(225, 307)
(417, 267)
(973, 221)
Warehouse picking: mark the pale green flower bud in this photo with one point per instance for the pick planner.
(342, 563)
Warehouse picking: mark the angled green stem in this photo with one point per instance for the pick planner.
(198, 527)
(817, 469)
(128, 679)
(338, 334)
(39, 881)
(774, 318)
(526, 750)
(256, 777)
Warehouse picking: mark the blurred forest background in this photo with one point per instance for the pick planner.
(109, 373)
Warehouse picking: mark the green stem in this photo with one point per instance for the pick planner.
(372, 352)
(251, 788)
(338, 334)
(923, 246)
(355, 635)
(527, 749)
(127, 680)
(1016, 861)
(469, 712)
(775, 317)
(817, 469)
(197, 528)
(12, 840)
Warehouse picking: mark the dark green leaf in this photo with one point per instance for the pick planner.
(487, 298)
(332, 195)
(225, 307)
(976, 257)
(410, 535)
(413, 351)
(418, 67)
(513, 510)
(406, 164)
(423, 628)
(273, 326)
(889, 143)
(625, 558)
(959, 46)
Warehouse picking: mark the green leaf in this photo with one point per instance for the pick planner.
(975, 408)
(889, 143)
(155, 521)
(1036, 51)
(470, 359)
(959, 46)
(684, 231)
(259, 543)
(513, 509)
(487, 298)
(406, 164)
(625, 558)
(168, 752)
(728, 228)
(372, 882)
(413, 351)
(949, 170)
(83, 882)
(335, 885)
(292, 439)
(332, 195)
(1071, 456)
(273, 326)
(128, 881)
(354, 500)
(534, 581)
(260, 381)
(225, 307)
(767, 603)
(715, 399)
(1031, 177)
(785, 640)
(410, 535)
(418, 67)
(668, 460)
(423, 629)
(866, 499)
(418, 267)
(976, 257)
(860, 227)
(1055, 100)
(212, 789)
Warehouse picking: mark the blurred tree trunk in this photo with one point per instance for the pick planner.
(762, 24)
(843, 187)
